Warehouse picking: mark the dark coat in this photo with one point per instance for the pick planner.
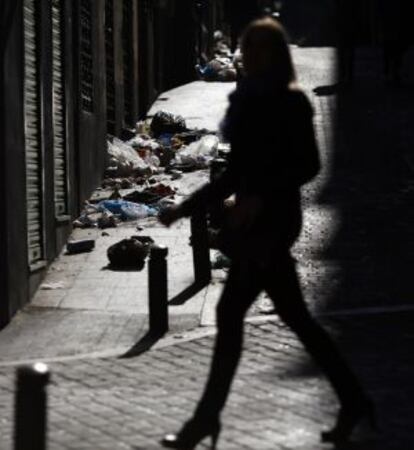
(273, 153)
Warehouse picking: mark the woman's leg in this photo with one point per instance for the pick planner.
(242, 287)
(286, 294)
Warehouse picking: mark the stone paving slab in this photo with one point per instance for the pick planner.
(201, 104)
(279, 399)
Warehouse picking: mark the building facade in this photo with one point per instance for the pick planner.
(73, 71)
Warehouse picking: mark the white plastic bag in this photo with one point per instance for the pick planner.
(127, 159)
(199, 153)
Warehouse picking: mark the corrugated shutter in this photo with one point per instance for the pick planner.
(86, 57)
(128, 63)
(110, 66)
(60, 156)
(34, 190)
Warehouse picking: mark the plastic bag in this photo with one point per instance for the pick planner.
(138, 142)
(127, 210)
(126, 159)
(199, 153)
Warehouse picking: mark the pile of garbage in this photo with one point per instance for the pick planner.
(166, 143)
(224, 66)
(162, 145)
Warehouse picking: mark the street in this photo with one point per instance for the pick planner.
(355, 259)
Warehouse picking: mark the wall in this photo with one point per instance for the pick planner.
(71, 72)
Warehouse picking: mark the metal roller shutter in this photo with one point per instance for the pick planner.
(127, 47)
(86, 58)
(60, 156)
(34, 190)
(110, 65)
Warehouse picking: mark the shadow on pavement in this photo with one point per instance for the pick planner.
(371, 188)
(150, 338)
(187, 294)
(143, 345)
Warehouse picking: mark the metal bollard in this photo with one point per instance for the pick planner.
(201, 249)
(31, 407)
(158, 290)
(217, 167)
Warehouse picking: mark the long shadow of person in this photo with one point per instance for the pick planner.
(371, 188)
(258, 240)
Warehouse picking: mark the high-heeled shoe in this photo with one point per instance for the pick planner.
(348, 418)
(193, 432)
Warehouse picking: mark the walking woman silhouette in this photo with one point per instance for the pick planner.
(273, 153)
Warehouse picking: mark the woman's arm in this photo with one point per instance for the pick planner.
(215, 191)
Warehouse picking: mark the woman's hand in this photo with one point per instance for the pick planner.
(244, 213)
(169, 215)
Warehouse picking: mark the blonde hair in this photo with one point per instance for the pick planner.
(265, 50)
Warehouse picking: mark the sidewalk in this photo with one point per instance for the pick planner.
(93, 311)
(354, 258)
(90, 310)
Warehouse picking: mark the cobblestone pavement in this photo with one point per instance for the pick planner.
(279, 399)
(356, 251)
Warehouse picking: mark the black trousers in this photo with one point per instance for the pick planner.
(280, 280)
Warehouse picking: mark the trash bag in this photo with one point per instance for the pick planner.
(145, 197)
(218, 69)
(127, 210)
(198, 154)
(129, 253)
(126, 159)
(143, 142)
(164, 122)
(188, 137)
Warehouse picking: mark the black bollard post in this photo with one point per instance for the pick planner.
(31, 407)
(201, 249)
(217, 167)
(158, 290)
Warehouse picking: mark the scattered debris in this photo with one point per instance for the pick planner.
(218, 69)
(127, 210)
(81, 246)
(198, 154)
(124, 160)
(221, 262)
(160, 150)
(165, 122)
(223, 66)
(129, 253)
(107, 220)
(176, 174)
(221, 44)
(147, 197)
(52, 286)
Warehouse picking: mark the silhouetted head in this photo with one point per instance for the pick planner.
(265, 51)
